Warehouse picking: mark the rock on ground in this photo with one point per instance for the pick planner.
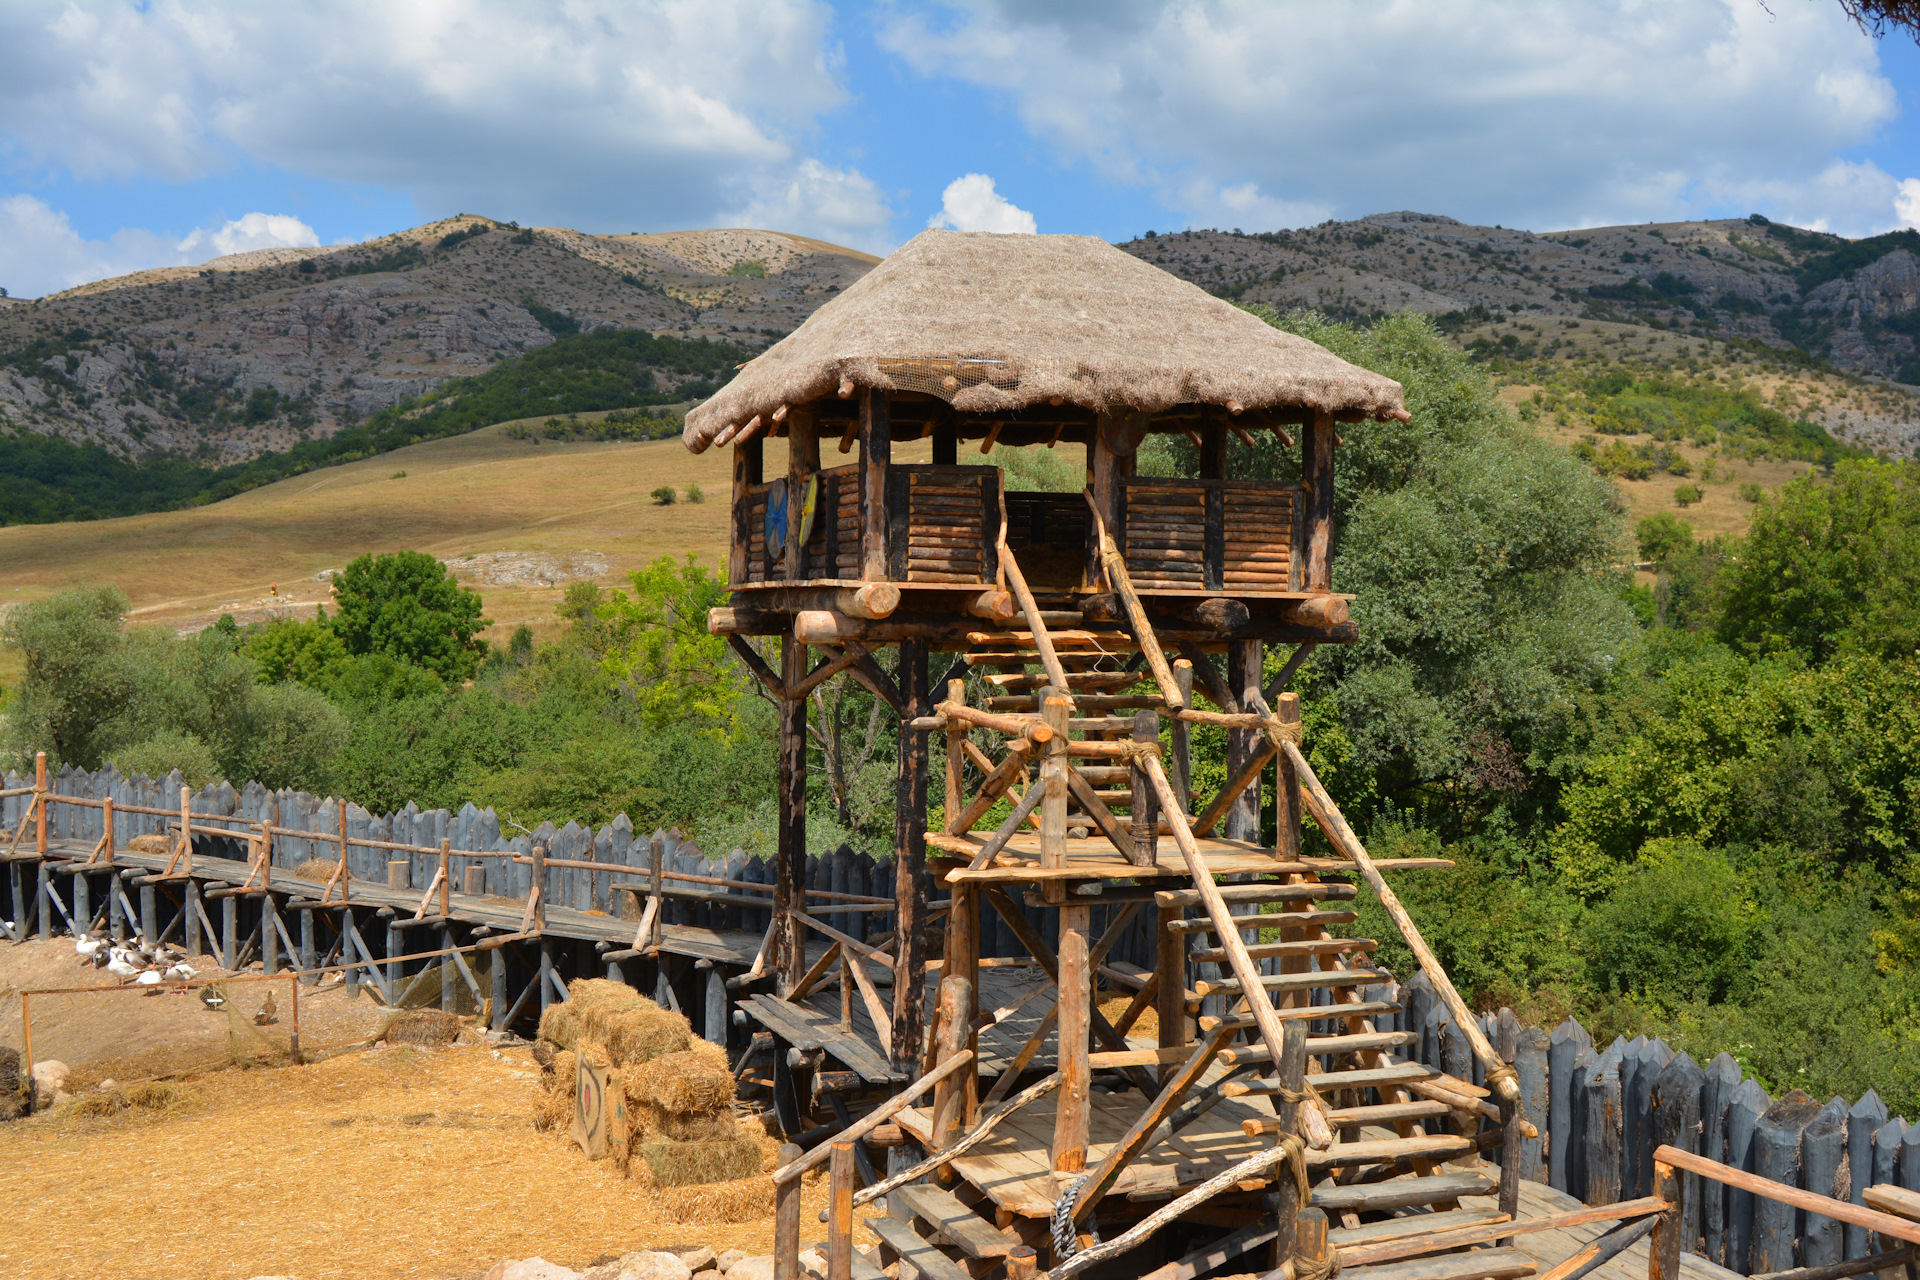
(642, 1265)
(751, 1269)
(530, 1269)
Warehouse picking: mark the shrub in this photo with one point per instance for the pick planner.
(663, 496)
(1686, 495)
(1751, 492)
(694, 495)
(1681, 926)
(166, 751)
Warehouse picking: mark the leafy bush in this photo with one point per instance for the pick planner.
(1686, 495)
(166, 751)
(1680, 926)
(408, 606)
(662, 496)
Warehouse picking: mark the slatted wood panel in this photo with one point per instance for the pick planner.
(1212, 535)
(1166, 534)
(833, 548)
(757, 534)
(945, 520)
(1259, 526)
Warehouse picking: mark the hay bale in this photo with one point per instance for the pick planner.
(693, 1082)
(744, 1200)
(158, 846)
(653, 1122)
(559, 1077)
(593, 1053)
(686, 1164)
(9, 1071)
(554, 1108)
(421, 1027)
(633, 1028)
(318, 870)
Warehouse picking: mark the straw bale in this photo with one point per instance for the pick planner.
(159, 846)
(1070, 317)
(318, 870)
(421, 1026)
(593, 1053)
(633, 1028)
(692, 1082)
(743, 1200)
(686, 1164)
(559, 1077)
(654, 1122)
(554, 1108)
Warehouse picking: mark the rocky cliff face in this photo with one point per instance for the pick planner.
(1729, 279)
(254, 352)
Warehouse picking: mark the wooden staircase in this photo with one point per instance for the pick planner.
(1380, 1131)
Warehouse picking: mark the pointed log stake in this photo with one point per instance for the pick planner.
(1272, 1030)
(1116, 567)
(1500, 1076)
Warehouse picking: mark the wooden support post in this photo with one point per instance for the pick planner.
(747, 465)
(1076, 998)
(1144, 806)
(229, 927)
(340, 834)
(656, 881)
(399, 874)
(876, 465)
(949, 1096)
(803, 463)
(307, 948)
(786, 1219)
(446, 878)
(1243, 745)
(1316, 477)
(790, 857)
(1663, 1258)
(1170, 997)
(82, 902)
(839, 1212)
(269, 938)
(1510, 1118)
(149, 913)
(1181, 734)
(910, 862)
(1285, 1200)
(40, 807)
(447, 969)
(44, 898)
(106, 830)
(499, 984)
(955, 801)
(1310, 1249)
(963, 963)
(116, 914)
(191, 905)
(1055, 708)
(1286, 799)
(396, 947)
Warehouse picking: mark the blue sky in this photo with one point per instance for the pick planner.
(161, 133)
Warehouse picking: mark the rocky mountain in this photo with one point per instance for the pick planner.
(1853, 302)
(255, 352)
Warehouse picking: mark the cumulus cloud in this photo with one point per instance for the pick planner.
(971, 204)
(1906, 203)
(1517, 111)
(839, 205)
(254, 231)
(593, 113)
(41, 253)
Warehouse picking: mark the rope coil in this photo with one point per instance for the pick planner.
(1066, 1241)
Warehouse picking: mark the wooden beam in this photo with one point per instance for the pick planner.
(876, 465)
(1210, 678)
(1072, 1114)
(910, 862)
(860, 1128)
(790, 852)
(758, 667)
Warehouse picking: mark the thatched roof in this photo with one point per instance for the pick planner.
(994, 323)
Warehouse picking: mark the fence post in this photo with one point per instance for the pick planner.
(1663, 1255)
(1675, 1122)
(1823, 1147)
(786, 1219)
(1776, 1156)
(840, 1212)
(1721, 1078)
(40, 810)
(1603, 1126)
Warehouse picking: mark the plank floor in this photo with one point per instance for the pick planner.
(1550, 1248)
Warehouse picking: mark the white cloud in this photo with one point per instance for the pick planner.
(1516, 111)
(1906, 203)
(839, 205)
(971, 204)
(600, 114)
(41, 253)
(254, 231)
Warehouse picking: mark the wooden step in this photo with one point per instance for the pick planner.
(1266, 920)
(1240, 894)
(1413, 1224)
(1075, 680)
(1355, 1043)
(953, 1223)
(1308, 947)
(1302, 981)
(1346, 1117)
(1086, 702)
(1474, 1264)
(863, 1268)
(916, 1251)
(1438, 1146)
(1403, 1193)
(1330, 1081)
(1311, 1012)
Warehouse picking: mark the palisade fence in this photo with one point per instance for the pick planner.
(1604, 1111)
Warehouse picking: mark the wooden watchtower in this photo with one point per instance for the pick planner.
(1100, 617)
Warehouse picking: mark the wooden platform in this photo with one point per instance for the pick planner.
(729, 947)
(1014, 1166)
(1094, 858)
(1549, 1248)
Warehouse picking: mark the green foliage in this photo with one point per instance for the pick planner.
(557, 323)
(1682, 925)
(407, 605)
(1832, 566)
(658, 652)
(1686, 495)
(166, 751)
(620, 424)
(662, 496)
(1661, 535)
(1816, 269)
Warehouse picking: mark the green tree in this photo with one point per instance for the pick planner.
(1831, 566)
(1662, 534)
(73, 684)
(1682, 926)
(658, 651)
(407, 605)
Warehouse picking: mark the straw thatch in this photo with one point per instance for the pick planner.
(994, 323)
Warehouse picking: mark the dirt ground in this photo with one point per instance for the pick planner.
(372, 1163)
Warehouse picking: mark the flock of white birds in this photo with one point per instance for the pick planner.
(139, 962)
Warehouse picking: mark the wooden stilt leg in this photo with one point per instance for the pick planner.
(1243, 677)
(1170, 998)
(791, 853)
(963, 962)
(910, 864)
(1076, 997)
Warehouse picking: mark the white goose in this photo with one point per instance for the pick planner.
(151, 978)
(119, 968)
(180, 971)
